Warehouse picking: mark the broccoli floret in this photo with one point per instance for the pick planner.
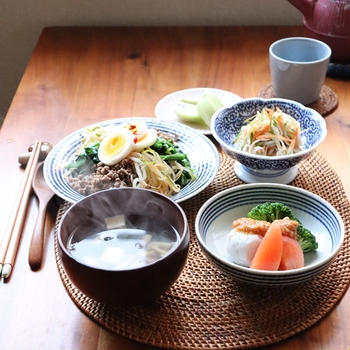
(270, 212)
(306, 239)
(274, 211)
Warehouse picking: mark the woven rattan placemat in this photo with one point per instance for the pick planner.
(205, 309)
(326, 103)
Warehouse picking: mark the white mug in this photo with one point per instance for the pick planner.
(298, 68)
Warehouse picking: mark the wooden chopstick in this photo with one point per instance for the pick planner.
(10, 243)
(7, 235)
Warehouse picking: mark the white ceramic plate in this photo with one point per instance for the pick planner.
(200, 150)
(165, 107)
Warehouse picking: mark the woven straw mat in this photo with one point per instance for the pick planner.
(325, 104)
(205, 309)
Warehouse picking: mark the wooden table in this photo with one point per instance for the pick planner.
(77, 76)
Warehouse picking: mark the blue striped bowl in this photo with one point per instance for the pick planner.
(227, 122)
(201, 152)
(214, 221)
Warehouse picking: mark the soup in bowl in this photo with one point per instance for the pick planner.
(124, 246)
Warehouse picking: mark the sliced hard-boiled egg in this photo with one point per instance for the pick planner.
(147, 139)
(116, 146)
(143, 136)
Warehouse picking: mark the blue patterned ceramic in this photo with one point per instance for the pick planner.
(214, 221)
(227, 122)
(200, 150)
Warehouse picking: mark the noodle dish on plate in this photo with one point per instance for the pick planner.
(162, 156)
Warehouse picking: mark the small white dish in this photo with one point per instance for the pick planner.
(165, 107)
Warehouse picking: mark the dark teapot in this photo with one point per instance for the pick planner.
(328, 21)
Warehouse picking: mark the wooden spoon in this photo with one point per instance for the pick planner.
(44, 195)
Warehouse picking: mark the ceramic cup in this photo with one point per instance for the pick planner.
(298, 68)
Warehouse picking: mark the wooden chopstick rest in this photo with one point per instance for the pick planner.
(45, 149)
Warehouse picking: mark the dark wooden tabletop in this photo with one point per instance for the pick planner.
(78, 76)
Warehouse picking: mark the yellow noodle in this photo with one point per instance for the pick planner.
(154, 173)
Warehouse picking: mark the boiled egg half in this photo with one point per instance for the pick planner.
(143, 136)
(116, 146)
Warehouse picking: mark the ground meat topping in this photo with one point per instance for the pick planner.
(104, 176)
(167, 136)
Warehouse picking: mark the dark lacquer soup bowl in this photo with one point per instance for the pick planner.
(124, 246)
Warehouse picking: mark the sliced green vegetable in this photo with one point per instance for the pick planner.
(85, 161)
(207, 106)
(187, 112)
(176, 156)
(170, 152)
(198, 111)
(190, 100)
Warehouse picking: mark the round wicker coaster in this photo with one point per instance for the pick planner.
(206, 310)
(327, 102)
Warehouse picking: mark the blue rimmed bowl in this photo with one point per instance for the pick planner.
(201, 152)
(227, 122)
(214, 222)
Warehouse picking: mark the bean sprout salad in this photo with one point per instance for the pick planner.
(270, 132)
